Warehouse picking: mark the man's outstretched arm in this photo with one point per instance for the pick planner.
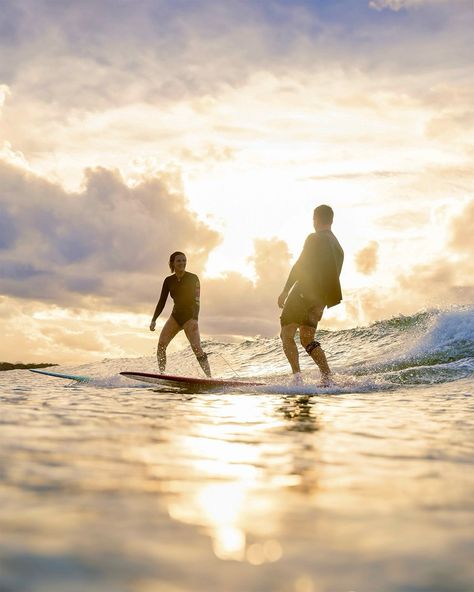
(295, 273)
(290, 282)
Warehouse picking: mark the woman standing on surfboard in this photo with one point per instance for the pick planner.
(184, 289)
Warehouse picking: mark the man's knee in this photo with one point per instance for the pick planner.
(311, 346)
(306, 336)
(286, 335)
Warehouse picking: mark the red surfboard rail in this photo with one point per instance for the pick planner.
(189, 381)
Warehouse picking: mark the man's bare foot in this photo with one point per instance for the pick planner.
(326, 380)
(297, 379)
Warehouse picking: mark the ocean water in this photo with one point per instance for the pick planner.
(118, 486)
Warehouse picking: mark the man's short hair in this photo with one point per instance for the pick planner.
(324, 214)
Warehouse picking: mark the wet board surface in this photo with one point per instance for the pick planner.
(75, 377)
(188, 381)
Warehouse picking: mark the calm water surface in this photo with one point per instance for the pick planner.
(125, 489)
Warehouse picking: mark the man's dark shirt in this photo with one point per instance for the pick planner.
(316, 273)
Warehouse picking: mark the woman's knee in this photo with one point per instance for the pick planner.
(191, 329)
(198, 351)
(195, 343)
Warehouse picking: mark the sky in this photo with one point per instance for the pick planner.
(133, 128)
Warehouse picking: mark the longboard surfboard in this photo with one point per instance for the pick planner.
(75, 377)
(187, 381)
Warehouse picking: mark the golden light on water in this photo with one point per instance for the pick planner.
(229, 543)
(305, 584)
(218, 506)
(221, 508)
(225, 490)
(225, 510)
(258, 553)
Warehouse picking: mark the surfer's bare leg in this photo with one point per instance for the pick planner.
(170, 330)
(191, 329)
(290, 348)
(316, 353)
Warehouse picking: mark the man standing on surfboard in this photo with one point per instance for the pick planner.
(312, 285)
(184, 289)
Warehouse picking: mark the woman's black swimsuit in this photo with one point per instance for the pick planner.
(185, 292)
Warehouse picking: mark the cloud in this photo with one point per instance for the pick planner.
(40, 332)
(106, 248)
(366, 259)
(4, 93)
(453, 126)
(461, 235)
(400, 220)
(246, 99)
(234, 305)
(360, 175)
(436, 284)
(160, 52)
(182, 82)
(397, 5)
(88, 341)
(108, 242)
(443, 281)
(208, 153)
(154, 51)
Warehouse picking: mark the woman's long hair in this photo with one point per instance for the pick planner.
(173, 257)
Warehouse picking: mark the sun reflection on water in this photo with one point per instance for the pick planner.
(218, 507)
(231, 476)
(227, 459)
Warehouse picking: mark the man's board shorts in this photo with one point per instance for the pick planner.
(297, 311)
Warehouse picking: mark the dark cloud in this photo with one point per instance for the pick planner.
(123, 52)
(8, 229)
(108, 241)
